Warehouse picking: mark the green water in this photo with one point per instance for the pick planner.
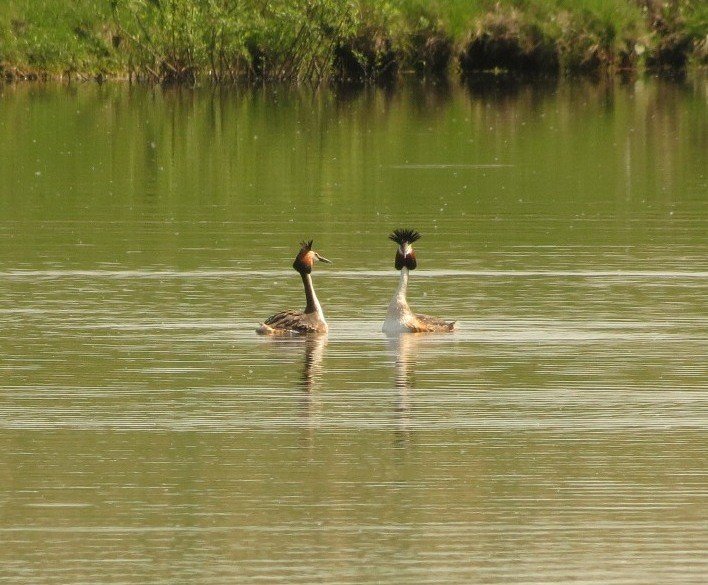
(147, 435)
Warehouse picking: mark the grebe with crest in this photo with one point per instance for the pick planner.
(400, 318)
(311, 320)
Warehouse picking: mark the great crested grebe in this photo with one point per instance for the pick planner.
(311, 320)
(400, 318)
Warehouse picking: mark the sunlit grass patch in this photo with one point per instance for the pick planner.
(359, 40)
(56, 37)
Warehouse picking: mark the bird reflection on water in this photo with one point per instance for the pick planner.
(312, 365)
(310, 376)
(313, 346)
(403, 348)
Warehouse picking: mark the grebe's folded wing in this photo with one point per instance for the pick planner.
(291, 321)
(429, 323)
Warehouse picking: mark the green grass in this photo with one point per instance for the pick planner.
(319, 40)
(55, 37)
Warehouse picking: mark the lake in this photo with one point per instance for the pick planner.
(148, 435)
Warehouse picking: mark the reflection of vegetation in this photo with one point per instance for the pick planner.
(171, 154)
(316, 40)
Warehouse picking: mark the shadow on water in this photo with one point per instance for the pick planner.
(495, 87)
(430, 97)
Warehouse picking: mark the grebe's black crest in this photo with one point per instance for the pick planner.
(306, 245)
(401, 236)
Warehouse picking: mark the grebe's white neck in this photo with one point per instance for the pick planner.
(313, 304)
(399, 313)
(400, 297)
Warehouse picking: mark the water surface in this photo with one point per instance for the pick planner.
(148, 435)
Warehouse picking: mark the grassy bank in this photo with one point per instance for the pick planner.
(321, 40)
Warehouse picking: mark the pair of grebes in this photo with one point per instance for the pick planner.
(399, 318)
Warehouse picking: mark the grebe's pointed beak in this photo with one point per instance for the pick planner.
(322, 258)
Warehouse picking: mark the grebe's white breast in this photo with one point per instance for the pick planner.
(397, 321)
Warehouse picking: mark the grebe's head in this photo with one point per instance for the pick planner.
(405, 256)
(306, 258)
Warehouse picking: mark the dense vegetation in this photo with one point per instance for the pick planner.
(320, 40)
